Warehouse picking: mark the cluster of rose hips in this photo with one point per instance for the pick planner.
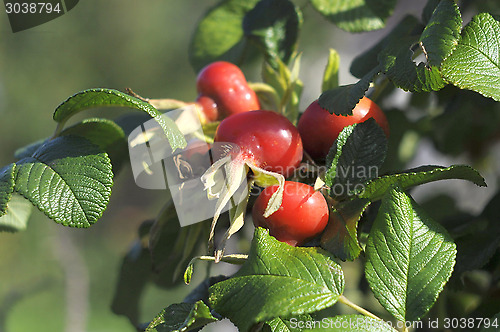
(271, 145)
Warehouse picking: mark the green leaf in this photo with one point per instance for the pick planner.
(376, 188)
(476, 249)
(172, 246)
(341, 234)
(274, 26)
(277, 325)
(356, 15)
(180, 317)
(355, 159)
(397, 63)
(6, 187)
(251, 299)
(490, 211)
(475, 64)
(429, 8)
(28, 150)
(287, 85)
(201, 291)
(133, 276)
(333, 157)
(467, 124)
(69, 179)
(278, 280)
(440, 36)
(353, 323)
(436, 42)
(219, 35)
(18, 213)
(112, 98)
(365, 62)
(290, 324)
(331, 74)
(104, 133)
(410, 257)
(343, 99)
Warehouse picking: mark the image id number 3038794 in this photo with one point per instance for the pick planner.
(470, 323)
(32, 8)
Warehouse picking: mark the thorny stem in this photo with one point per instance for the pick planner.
(346, 301)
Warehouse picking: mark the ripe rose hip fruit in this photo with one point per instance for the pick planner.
(209, 109)
(225, 83)
(319, 129)
(263, 142)
(303, 213)
(267, 140)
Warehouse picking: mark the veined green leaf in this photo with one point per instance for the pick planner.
(182, 317)
(365, 62)
(274, 26)
(410, 257)
(18, 213)
(333, 157)
(355, 159)
(112, 98)
(219, 35)
(343, 99)
(397, 63)
(341, 234)
(256, 298)
(440, 36)
(6, 187)
(289, 324)
(377, 187)
(437, 41)
(302, 280)
(475, 62)
(355, 15)
(69, 179)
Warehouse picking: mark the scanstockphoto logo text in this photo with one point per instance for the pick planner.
(364, 324)
(27, 14)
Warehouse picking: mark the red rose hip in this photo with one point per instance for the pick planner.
(267, 140)
(302, 215)
(226, 84)
(319, 129)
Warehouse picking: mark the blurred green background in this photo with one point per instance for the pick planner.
(60, 279)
